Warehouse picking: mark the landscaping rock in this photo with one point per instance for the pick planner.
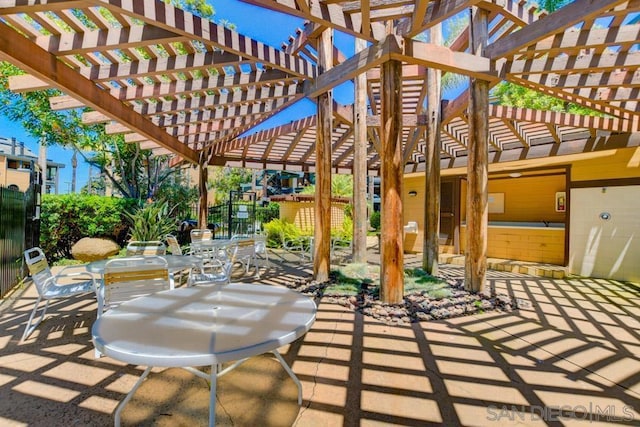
(90, 249)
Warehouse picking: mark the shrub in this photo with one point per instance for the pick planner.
(345, 232)
(279, 229)
(374, 220)
(67, 218)
(151, 222)
(268, 213)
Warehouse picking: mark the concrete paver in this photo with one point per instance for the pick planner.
(569, 355)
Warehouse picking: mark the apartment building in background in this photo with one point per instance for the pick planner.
(17, 162)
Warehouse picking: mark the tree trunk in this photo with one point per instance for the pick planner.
(432, 164)
(322, 232)
(360, 165)
(478, 164)
(391, 242)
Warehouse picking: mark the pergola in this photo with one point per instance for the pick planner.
(178, 84)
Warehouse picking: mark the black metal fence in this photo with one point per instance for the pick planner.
(237, 216)
(19, 229)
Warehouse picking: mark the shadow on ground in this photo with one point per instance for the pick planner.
(568, 355)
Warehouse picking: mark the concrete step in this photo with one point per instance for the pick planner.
(513, 266)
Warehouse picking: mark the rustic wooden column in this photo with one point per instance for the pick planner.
(478, 163)
(203, 177)
(322, 231)
(432, 164)
(391, 237)
(360, 164)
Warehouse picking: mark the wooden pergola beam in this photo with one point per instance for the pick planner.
(171, 64)
(562, 119)
(425, 16)
(556, 22)
(263, 135)
(370, 57)
(555, 152)
(251, 94)
(326, 14)
(201, 85)
(104, 40)
(434, 56)
(25, 54)
(183, 23)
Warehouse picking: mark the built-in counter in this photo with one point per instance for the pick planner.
(525, 241)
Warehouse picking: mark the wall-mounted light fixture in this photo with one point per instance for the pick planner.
(413, 193)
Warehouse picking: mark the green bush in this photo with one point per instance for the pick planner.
(65, 219)
(374, 220)
(152, 222)
(345, 232)
(268, 213)
(278, 229)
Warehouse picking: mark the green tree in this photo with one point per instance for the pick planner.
(341, 186)
(222, 180)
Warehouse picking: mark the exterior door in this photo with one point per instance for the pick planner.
(449, 241)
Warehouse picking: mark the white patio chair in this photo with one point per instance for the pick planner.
(199, 234)
(49, 286)
(261, 247)
(216, 265)
(132, 277)
(246, 253)
(154, 247)
(301, 246)
(342, 246)
(174, 246)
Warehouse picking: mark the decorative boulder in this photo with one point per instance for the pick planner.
(90, 249)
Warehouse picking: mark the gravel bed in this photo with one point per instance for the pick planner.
(415, 307)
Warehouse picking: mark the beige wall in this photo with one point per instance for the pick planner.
(614, 164)
(302, 214)
(21, 178)
(526, 199)
(605, 248)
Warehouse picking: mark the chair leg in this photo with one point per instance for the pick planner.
(29, 328)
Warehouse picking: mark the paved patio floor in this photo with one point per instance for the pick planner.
(570, 355)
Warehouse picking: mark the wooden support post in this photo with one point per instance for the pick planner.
(203, 201)
(360, 164)
(322, 231)
(432, 164)
(478, 164)
(391, 237)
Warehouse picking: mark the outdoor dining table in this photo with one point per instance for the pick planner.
(174, 263)
(204, 326)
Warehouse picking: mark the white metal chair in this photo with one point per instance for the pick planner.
(261, 247)
(199, 234)
(341, 245)
(174, 246)
(246, 253)
(301, 246)
(216, 265)
(132, 277)
(49, 286)
(154, 247)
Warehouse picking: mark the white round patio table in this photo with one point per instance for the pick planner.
(174, 262)
(204, 326)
